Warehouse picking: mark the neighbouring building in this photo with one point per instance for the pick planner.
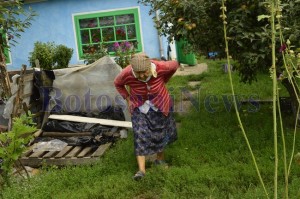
(78, 24)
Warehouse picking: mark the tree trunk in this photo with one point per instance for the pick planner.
(4, 78)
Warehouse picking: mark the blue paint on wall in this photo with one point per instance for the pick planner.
(54, 23)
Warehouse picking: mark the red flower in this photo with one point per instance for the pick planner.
(282, 48)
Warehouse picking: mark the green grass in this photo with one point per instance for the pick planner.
(210, 159)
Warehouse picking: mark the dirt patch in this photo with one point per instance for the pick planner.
(184, 105)
(191, 70)
(194, 83)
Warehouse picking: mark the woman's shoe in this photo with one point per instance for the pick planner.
(161, 163)
(139, 175)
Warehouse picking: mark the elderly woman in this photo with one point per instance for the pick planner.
(150, 106)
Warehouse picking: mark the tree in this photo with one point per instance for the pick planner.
(11, 25)
(199, 22)
(190, 20)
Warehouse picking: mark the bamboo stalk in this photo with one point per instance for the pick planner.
(274, 77)
(235, 102)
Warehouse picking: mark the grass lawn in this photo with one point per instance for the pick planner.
(210, 159)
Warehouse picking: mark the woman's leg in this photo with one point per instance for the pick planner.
(141, 163)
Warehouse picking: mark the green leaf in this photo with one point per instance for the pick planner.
(260, 17)
(15, 156)
(239, 43)
(2, 152)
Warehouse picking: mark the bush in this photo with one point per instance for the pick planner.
(44, 52)
(124, 51)
(50, 55)
(13, 144)
(94, 53)
(62, 56)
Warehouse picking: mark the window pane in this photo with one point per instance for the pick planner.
(90, 49)
(96, 36)
(120, 33)
(108, 34)
(88, 23)
(135, 43)
(85, 49)
(106, 28)
(131, 32)
(106, 21)
(125, 19)
(85, 37)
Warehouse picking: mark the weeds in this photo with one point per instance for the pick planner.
(209, 160)
(13, 144)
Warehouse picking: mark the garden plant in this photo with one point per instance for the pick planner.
(50, 56)
(13, 144)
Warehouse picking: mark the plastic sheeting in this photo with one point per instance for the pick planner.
(88, 89)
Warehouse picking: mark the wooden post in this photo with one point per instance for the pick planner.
(18, 102)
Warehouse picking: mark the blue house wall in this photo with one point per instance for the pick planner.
(54, 23)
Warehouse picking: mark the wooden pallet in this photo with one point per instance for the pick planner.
(69, 155)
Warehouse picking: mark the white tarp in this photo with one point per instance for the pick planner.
(88, 88)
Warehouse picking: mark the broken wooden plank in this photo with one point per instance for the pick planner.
(65, 134)
(50, 154)
(28, 77)
(27, 153)
(101, 149)
(37, 154)
(106, 122)
(37, 162)
(63, 151)
(74, 152)
(50, 158)
(84, 152)
(35, 135)
(38, 133)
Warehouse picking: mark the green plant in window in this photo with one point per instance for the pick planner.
(121, 34)
(124, 51)
(94, 52)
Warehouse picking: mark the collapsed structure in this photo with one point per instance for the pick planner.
(78, 110)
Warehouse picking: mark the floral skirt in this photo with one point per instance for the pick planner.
(152, 131)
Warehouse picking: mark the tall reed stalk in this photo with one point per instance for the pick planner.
(223, 16)
(275, 15)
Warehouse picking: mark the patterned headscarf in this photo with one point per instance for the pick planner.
(140, 62)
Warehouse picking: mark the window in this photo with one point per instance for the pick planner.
(107, 28)
(6, 51)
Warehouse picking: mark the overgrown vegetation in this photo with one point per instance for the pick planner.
(13, 145)
(209, 160)
(50, 56)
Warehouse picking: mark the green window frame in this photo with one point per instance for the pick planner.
(107, 28)
(6, 50)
